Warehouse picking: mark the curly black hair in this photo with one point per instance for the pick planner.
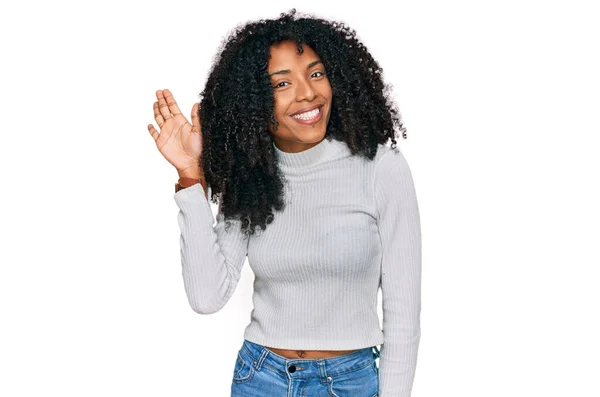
(237, 105)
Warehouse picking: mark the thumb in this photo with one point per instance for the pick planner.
(196, 118)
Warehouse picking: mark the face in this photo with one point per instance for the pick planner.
(299, 81)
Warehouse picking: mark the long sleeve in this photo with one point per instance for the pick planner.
(211, 257)
(400, 233)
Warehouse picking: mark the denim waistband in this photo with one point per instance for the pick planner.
(299, 367)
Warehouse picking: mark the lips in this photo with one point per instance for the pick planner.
(312, 121)
(308, 109)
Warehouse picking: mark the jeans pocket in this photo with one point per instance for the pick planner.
(244, 370)
(362, 382)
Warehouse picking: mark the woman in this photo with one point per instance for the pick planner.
(290, 136)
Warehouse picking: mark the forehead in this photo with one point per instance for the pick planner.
(284, 55)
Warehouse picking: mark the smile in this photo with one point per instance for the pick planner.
(309, 117)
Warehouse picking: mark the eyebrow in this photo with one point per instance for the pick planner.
(286, 71)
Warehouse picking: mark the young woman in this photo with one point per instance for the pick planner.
(290, 139)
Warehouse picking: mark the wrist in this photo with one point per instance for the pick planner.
(191, 173)
(188, 181)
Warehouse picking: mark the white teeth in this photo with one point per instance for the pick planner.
(307, 115)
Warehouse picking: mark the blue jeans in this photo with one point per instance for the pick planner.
(260, 372)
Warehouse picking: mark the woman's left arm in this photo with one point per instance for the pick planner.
(400, 232)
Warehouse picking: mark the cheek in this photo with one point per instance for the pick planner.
(281, 106)
(327, 91)
(280, 113)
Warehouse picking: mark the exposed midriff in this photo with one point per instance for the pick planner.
(309, 354)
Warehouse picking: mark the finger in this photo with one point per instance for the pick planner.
(195, 118)
(171, 103)
(160, 120)
(157, 116)
(153, 132)
(162, 105)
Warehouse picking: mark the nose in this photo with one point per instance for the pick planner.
(304, 91)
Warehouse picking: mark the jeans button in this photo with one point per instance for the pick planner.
(292, 368)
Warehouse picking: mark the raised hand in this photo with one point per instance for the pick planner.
(178, 141)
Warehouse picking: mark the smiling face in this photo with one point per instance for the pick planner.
(298, 82)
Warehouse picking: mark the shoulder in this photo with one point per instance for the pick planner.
(390, 163)
(393, 186)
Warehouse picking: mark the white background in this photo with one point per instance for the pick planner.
(500, 101)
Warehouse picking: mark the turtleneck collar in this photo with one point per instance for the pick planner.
(322, 152)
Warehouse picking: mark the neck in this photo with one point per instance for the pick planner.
(323, 151)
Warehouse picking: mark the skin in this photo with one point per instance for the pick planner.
(299, 88)
(295, 90)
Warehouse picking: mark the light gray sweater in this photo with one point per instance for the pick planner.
(350, 227)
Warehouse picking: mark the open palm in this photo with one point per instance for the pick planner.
(178, 141)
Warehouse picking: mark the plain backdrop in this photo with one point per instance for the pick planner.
(501, 104)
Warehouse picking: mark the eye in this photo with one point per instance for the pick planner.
(279, 85)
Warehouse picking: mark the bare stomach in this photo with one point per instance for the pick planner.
(309, 354)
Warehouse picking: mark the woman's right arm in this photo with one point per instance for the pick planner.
(211, 257)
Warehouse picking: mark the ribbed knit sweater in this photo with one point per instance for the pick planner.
(350, 227)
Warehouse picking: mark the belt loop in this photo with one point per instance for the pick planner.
(322, 370)
(261, 358)
(376, 352)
